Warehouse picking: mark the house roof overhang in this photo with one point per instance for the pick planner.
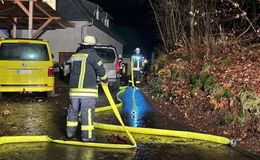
(17, 12)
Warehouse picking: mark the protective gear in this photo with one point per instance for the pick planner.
(137, 76)
(87, 108)
(121, 64)
(89, 40)
(86, 65)
(83, 79)
(123, 68)
(137, 60)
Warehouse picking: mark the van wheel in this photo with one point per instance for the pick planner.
(51, 93)
(1, 94)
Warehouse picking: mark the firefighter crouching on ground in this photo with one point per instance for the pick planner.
(138, 62)
(86, 66)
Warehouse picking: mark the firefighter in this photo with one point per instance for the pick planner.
(138, 61)
(86, 66)
(121, 65)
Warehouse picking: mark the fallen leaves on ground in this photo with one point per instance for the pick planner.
(243, 71)
(5, 112)
(236, 71)
(116, 139)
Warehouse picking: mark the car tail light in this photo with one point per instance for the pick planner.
(50, 72)
(118, 65)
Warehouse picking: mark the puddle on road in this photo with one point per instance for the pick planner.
(49, 151)
(32, 115)
(140, 114)
(47, 117)
(42, 151)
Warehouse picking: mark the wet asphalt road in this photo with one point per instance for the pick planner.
(34, 114)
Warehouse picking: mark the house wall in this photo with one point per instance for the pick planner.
(67, 40)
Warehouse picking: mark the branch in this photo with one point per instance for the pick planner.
(157, 22)
(250, 23)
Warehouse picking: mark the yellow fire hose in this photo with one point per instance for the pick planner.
(122, 128)
(28, 139)
(163, 132)
(128, 130)
(132, 72)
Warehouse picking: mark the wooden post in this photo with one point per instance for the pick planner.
(14, 35)
(30, 23)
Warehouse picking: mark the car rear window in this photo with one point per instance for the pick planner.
(24, 52)
(107, 55)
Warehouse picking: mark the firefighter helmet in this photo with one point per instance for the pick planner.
(89, 40)
(137, 49)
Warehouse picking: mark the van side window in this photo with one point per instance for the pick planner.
(24, 52)
(107, 55)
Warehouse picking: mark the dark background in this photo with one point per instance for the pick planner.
(134, 22)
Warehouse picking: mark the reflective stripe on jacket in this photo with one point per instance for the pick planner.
(86, 66)
(137, 59)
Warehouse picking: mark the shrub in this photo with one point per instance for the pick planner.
(249, 101)
(201, 81)
(224, 61)
(155, 85)
(227, 93)
(226, 119)
(240, 118)
(216, 91)
(195, 78)
(208, 82)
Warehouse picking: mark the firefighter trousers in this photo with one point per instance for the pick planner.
(137, 77)
(86, 106)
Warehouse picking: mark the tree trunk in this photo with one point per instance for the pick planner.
(192, 28)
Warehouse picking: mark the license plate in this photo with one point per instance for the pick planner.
(24, 72)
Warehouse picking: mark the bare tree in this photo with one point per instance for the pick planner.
(192, 28)
(159, 27)
(197, 22)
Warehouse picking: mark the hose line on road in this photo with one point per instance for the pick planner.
(122, 128)
(113, 106)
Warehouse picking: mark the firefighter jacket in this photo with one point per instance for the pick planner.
(86, 66)
(137, 60)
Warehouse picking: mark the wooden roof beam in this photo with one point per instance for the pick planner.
(21, 0)
(43, 11)
(46, 13)
(54, 18)
(62, 25)
(36, 33)
(20, 4)
(39, 18)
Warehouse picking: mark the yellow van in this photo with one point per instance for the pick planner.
(26, 66)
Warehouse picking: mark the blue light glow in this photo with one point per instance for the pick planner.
(137, 58)
(135, 108)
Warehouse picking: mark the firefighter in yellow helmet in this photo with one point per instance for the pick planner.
(86, 66)
(138, 65)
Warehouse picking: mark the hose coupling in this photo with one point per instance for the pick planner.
(233, 142)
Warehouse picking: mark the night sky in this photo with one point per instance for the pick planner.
(134, 21)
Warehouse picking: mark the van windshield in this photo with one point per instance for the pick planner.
(23, 52)
(107, 55)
